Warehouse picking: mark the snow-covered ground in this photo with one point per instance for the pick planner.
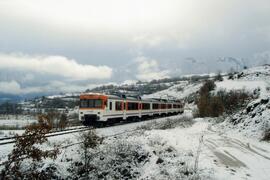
(11, 124)
(249, 86)
(17, 123)
(178, 91)
(253, 120)
(221, 154)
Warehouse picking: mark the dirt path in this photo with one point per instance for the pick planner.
(244, 158)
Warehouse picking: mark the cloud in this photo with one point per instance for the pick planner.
(149, 22)
(11, 87)
(54, 65)
(148, 69)
(15, 88)
(262, 58)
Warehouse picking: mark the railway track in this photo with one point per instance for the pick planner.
(10, 140)
(77, 143)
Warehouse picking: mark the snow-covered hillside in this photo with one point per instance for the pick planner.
(221, 148)
(179, 91)
(253, 120)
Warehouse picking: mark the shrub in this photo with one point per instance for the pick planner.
(231, 76)
(203, 106)
(63, 121)
(234, 99)
(180, 89)
(90, 140)
(167, 124)
(219, 77)
(214, 105)
(53, 119)
(117, 159)
(57, 120)
(207, 87)
(27, 148)
(266, 135)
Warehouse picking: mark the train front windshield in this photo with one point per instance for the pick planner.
(91, 103)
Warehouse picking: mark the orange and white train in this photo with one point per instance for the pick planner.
(99, 109)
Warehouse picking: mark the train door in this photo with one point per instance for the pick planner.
(124, 110)
(109, 107)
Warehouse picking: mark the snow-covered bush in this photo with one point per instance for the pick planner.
(90, 140)
(169, 123)
(218, 77)
(266, 135)
(116, 159)
(26, 159)
(252, 120)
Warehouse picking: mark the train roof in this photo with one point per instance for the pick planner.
(122, 97)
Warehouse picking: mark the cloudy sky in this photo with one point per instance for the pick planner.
(49, 46)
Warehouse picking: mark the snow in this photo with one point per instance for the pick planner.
(63, 95)
(255, 73)
(17, 123)
(252, 121)
(223, 154)
(249, 86)
(14, 122)
(129, 82)
(179, 91)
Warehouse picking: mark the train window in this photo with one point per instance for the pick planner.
(174, 106)
(91, 103)
(110, 105)
(163, 106)
(169, 106)
(155, 106)
(118, 106)
(98, 103)
(84, 103)
(145, 106)
(133, 106)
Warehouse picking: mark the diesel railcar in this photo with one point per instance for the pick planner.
(100, 109)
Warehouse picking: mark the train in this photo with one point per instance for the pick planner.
(100, 109)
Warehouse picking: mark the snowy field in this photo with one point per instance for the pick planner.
(17, 121)
(220, 155)
(11, 124)
(179, 91)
